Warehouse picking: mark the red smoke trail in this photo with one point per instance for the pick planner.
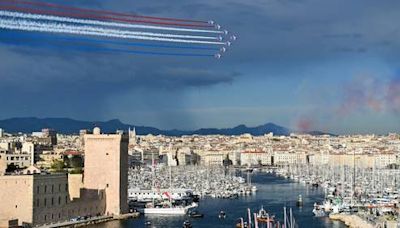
(104, 12)
(87, 16)
(393, 95)
(363, 93)
(304, 124)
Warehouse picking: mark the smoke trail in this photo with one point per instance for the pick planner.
(305, 124)
(76, 15)
(79, 21)
(114, 50)
(52, 5)
(393, 95)
(113, 42)
(86, 30)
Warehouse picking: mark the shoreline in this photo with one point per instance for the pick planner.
(92, 221)
(352, 221)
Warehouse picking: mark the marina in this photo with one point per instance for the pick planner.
(274, 193)
(357, 195)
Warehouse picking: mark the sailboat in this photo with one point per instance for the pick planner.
(167, 208)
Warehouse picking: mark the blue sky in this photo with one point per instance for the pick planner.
(305, 64)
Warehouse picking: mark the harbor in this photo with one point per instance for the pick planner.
(361, 197)
(273, 194)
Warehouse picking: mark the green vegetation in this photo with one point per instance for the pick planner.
(76, 171)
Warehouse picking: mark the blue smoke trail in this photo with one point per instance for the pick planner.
(38, 43)
(100, 41)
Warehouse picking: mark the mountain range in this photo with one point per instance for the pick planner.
(71, 126)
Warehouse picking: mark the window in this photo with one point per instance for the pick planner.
(37, 202)
(66, 199)
(52, 188)
(45, 189)
(59, 200)
(59, 187)
(66, 187)
(52, 201)
(37, 189)
(45, 202)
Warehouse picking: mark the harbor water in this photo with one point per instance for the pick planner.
(273, 193)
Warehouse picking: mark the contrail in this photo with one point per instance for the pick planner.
(87, 30)
(128, 32)
(96, 22)
(97, 17)
(42, 36)
(86, 27)
(102, 12)
(100, 49)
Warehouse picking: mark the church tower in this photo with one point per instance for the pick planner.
(132, 136)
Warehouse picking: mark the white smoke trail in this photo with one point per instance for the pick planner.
(96, 22)
(8, 14)
(87, 30)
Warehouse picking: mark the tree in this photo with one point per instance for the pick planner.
(11, 168)
(57, 166)
(76, 171)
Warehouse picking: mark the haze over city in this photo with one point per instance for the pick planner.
(307, 65)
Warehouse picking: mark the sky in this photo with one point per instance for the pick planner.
(303, 64)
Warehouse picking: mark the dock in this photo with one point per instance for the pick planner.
(90, 221)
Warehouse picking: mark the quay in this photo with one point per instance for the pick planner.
(353, 221)
(91, 221)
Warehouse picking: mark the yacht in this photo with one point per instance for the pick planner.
(167, 210)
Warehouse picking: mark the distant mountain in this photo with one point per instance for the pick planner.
(71, 126)
(241, 129)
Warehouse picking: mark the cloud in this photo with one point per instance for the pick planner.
(274, 36)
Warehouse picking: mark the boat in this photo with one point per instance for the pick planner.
(187, 224)
(299, 202)
(168, 207)
(264, 217)
(167, 210)
(195, 214)
(318, 211)
(148, 223)
(222, 215)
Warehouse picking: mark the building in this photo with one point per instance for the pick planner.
(283, 158)
(256, 157)
(132, 136)
(1, 133)
(212, 158)
(51, 135)
(40, 198)
(106, 168)
(18, 160)
(3, 166)
(36, 198)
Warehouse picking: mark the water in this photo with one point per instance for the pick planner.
(273, 193)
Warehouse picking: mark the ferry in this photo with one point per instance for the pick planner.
(167, 209)
(141, 195)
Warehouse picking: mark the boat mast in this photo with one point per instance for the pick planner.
(153, 176)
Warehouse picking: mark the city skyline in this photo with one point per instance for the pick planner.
(307, 65)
